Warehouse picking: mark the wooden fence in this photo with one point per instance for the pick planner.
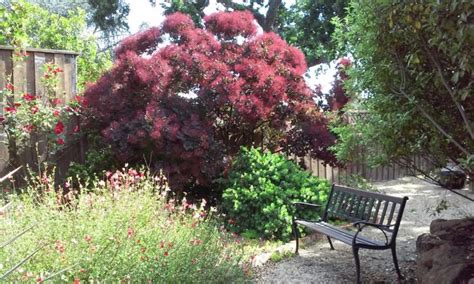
(25, 76)
(377, 174)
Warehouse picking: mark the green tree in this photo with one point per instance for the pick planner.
(412, 77)
(109, 17)
(23, 24)
(307, 24)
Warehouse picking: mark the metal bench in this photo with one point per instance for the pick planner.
(364, 209)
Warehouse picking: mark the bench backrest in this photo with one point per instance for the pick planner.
(358, 205)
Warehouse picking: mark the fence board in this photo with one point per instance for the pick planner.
(39, 62)
(19, 77)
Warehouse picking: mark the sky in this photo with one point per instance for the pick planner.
(141, 12)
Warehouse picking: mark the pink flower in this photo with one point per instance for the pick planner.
(56, 113)
(34, 109)
(130, 233)
(10, 87)
(88, 238)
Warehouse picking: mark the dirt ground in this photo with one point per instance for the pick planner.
(316, 263)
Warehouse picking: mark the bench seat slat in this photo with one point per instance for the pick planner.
(338, 233)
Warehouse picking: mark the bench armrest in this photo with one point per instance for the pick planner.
(305, 204)
(358, 224)
(300, 205)
(361, 224)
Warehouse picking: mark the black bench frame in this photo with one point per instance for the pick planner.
(364, 209)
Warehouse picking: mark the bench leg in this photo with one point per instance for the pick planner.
(395, 261)
(355, 251)
(330, 243)
(296, 235)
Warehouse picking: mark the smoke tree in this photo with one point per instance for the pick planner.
(186, 98)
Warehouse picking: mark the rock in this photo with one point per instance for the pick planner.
(446, 254)
(261, 259)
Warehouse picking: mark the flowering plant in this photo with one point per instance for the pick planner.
(124, 228)
(41, 118)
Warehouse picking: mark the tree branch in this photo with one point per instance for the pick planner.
(448, 88)
(272, 13)
(423, 111)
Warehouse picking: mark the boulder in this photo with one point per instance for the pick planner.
(446, 254)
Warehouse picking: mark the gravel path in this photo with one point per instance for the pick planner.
(316, 263)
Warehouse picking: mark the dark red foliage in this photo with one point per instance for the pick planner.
(337, 98)
(190, 103)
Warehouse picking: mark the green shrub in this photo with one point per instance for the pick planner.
(259, 191)
(121, 230)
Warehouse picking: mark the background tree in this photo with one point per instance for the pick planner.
(413, 76)
(23, 24)
(188, 105)
(109, 17)
(307, 24)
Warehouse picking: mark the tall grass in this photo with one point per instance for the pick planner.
(123, 228)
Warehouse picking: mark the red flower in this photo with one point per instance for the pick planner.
(10, 87)
(59, 246)
(58, 69)
(29, 97)
(59, 128)
(10, 109)
(39, 279)
(60, 141)
(166, 253)
(28, 128)
(34, 109)
(88, 238)
(76, 281)
(2, 119)
(345, 61)
(56, 113)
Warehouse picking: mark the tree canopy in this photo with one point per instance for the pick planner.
(413, 77)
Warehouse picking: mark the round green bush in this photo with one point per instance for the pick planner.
(260, 189)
